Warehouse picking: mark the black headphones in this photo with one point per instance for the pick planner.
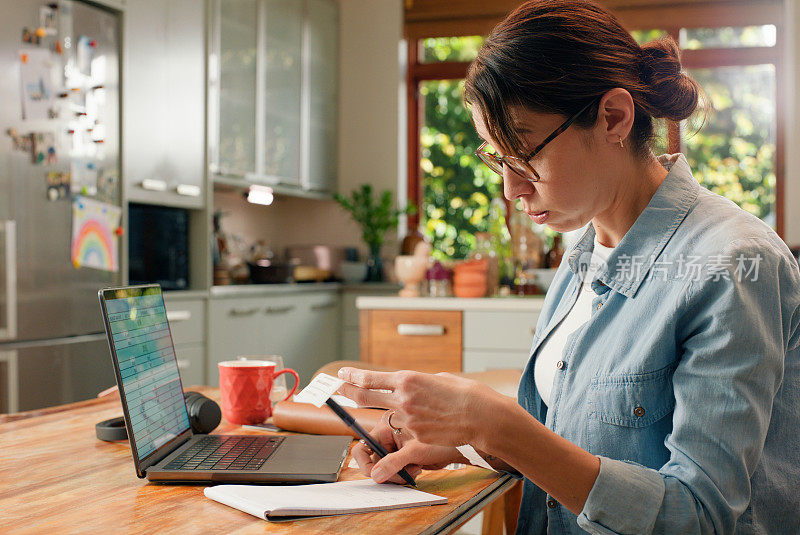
(204, 417)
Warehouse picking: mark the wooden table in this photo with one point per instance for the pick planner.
(56, 477)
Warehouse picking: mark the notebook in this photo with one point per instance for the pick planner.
(327, 499)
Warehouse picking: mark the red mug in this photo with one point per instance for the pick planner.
(245, 386)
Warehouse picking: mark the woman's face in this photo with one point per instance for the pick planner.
(569, 193)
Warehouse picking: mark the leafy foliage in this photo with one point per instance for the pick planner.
(375, 216)
(734, 153)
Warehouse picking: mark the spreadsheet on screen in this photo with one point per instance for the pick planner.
(148, 369)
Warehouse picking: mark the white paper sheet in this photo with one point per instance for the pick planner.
(474, 457)
(319, 390)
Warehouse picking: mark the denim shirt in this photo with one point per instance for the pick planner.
(685, 381)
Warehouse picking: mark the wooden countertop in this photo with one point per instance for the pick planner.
(55, 476)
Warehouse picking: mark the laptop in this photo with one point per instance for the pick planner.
(162, 442)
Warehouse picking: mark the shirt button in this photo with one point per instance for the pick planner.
(551, 503)
(638, 411)
(561, 364)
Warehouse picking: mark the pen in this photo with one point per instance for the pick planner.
(362, 433)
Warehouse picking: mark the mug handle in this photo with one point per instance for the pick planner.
(296, 380)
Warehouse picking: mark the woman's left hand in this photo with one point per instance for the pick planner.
(441, 408)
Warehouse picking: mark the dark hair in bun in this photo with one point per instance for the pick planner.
(555, 56)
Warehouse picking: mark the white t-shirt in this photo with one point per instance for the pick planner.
(552, 350)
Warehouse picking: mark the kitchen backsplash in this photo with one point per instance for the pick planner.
(293, 221)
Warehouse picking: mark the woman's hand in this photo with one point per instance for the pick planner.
(404, 452)
(441, 409)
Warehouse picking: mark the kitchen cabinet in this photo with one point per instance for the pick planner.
(232, 73)
(497, 339)
(273, 85)
(187, 323)
(448, 334)
(163, 130)
(281, 80)
(350, 318)
(423, 340)
(320, 117)
(302, 327)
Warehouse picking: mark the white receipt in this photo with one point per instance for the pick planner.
(319, 390)
(474, 457)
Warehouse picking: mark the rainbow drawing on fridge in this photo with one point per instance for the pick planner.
(94, 234)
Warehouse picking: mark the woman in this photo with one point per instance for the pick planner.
(663, 389)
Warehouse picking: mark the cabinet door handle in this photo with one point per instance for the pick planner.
(178, 315)
(152, 184)
(324, 306)
(243, 311)
(415, 329)
(188, 190)
(279, 310)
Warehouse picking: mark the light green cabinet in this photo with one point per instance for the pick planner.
(232, 74)
(187, 323)
(320, 119)
(273, 79)
(281, 79)
(163, 130)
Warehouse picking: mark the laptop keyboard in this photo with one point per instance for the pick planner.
(217, 452)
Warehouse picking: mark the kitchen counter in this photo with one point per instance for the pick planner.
(251, 290)
(511, 303)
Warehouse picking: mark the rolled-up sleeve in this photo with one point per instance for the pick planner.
(733, 339)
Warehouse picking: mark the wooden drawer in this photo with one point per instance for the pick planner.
(422, 340)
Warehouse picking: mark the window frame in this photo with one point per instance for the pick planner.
(708, 14)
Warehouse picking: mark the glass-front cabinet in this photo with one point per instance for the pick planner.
(273, 78)
(282, 80)
(232, 74)
(319, 164)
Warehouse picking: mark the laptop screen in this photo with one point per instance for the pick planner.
(150, 381)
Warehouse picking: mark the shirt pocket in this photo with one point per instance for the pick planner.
(628, 413)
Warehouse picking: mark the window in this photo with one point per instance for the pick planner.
(737, 152)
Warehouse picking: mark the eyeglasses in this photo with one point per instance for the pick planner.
(522, 166)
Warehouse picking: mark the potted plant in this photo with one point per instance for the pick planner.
(375, 216)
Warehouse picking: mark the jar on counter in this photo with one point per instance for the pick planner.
(484, 250)
(438, 279)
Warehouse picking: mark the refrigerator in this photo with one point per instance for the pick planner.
(60, 125)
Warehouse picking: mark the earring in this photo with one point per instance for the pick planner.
(620, 143)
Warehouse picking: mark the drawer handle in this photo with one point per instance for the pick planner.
(278, 310)
(178, 315)
(323, 306)
(415, 329)
(243, 311)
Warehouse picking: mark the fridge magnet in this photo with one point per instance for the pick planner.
(36, 69)
(30, 37)
(44, 148)
(83, 177)
(85, 55)
(20, 143)
(107, 184)
(58, 185)
(47, 20)
(95, 243)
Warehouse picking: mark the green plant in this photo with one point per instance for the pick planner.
(376, 216)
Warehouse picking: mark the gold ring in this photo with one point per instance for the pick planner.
(397, 430)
